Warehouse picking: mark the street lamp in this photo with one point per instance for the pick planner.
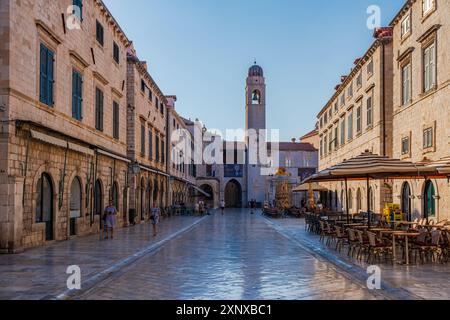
(135, 168)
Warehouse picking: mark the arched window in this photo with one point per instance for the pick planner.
(115, 195)
(44, 204)
(75, 198)
(336, 200)
(406, 200)
(371, 200)
(98, 198)
(429, 200)
(75, 204)
(350, 199)
(256, 97)
(358, 200)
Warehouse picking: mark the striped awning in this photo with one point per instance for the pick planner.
(369, 165)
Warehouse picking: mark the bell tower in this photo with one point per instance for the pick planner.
(255, 108)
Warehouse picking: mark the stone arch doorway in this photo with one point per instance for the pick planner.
(44, 205)
(98, 201)
(429, 200)
(406, 200)
(233, 194)
(208, 200)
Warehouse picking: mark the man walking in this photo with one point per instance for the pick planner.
(222, 206)
(155, 219)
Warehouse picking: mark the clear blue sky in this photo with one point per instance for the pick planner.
(201, 50)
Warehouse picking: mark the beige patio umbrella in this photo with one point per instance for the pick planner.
(370, 166)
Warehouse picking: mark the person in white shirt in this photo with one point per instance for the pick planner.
(222, 206)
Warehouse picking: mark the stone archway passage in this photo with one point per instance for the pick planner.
(208, 200)
(233, 194)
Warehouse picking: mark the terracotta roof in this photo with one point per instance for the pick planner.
(313, 133)
(292, 146)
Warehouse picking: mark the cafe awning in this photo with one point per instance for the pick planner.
(313, 186)
(368, 165)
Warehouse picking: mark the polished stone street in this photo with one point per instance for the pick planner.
(230, 257)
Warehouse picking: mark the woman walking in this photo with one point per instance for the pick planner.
(110, 219)
(155, 219)
(222, 206)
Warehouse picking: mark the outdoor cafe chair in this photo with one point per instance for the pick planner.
(341, 238)
(377, 247)
(428, 248)
(446, 246)
(363, 244)
(353, 242)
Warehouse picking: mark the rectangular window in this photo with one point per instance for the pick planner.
(369, 112)
(150, 95)
(405, 146)
(429, 67)
(79, 4)
(343, 131)
(98, 109)
(46, 72)
(330, 144)
(336, 137)
(77, 95)
(161, 108)
(343, 99)
(325, 145)
(150, 145)
(350, 90)
(370, 68)
(156, 103)
(143, 85)
(325, 118)
(359, 80)
(428, 141)
(163, 153)
(406, 25)
(142, 140)
(427, 6)
(321, 148)
(116, 53)
(157, 148)
(350, 126)
(99, 33)
(336, 107)
(116, 120)
(406, 84)
(358, 120)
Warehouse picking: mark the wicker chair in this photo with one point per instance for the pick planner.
(378, 247)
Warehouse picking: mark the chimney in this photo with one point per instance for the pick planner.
(144, 63)
(293, 140)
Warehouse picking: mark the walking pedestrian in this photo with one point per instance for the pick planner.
(252, 206)
(155, 219)
(222, 206)
(110, 219)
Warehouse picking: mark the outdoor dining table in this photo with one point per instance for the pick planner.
(407, 235)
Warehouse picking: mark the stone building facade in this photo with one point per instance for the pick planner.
(181, 168)
(63, 121)
(421, 110)
(146, 140)
(358, 118)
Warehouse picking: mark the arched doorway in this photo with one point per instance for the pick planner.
(155, 192)
(75, 204)
(371, 200)
(233, 194)
(429, 200)
(44, 205)
(98, 201)
(208, 200)
(406, 201)
(142, 196)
